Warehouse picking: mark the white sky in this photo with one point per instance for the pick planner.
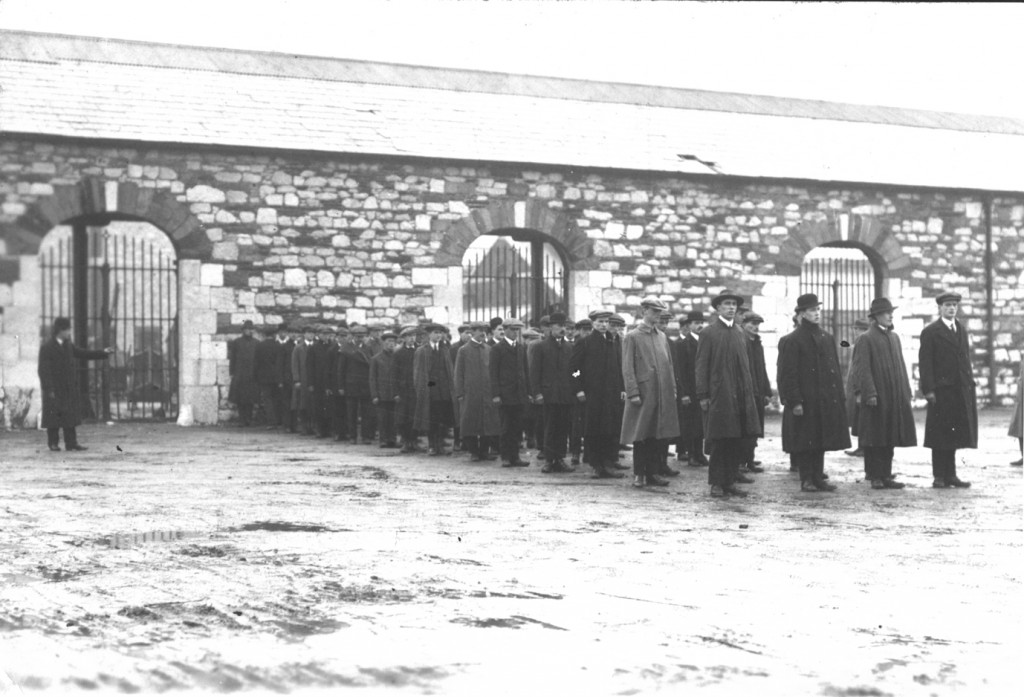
(949, 57)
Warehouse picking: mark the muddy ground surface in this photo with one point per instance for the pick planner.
(223, 559)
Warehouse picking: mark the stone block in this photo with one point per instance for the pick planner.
(614, 231)
(204, 401)
(199, 322)
(213, 350)
(225, 251)
(423, 222)
(266, 216)
(10, 349)
(206, 373)
(613, 297)
(325, 279)
(600, 279)
(295, 278)
(211, 275)
(634, 232)
(202, 193)
(378, 280)
(427, 276)
(22, 321)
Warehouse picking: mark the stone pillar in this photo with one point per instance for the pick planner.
(586, 291)
(20, 338)
(200, 355)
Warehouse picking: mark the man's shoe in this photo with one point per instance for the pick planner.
(754, 467)
(520, 463)
(824, 476)
(809, 487)
(619, 466)
(733, 491)
(743, 479)
(718, 492)
(575, 461)
(605, 474)
(958, 483)
(639, 481)
(666, 471)
(696, 462)
(655, 480)
(507, 464)
(55, 448)
(549, 468)
(877, 483)
(940, 484)
(892, 484)
(1017, 463)
(682, 457)
(566, 468)
(822, 485)
(76, 446)
(854, 453)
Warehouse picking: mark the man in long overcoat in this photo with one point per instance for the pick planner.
(1016, 429)
(552, 391)
(405, 399)
(577, 415)
(268, 374)
(947, 382)
(479, 420)
(433, 377)
(244, 390)
(337, 408)
(286, 339)
(725, 389)
(384, 389)
(354, 385)
(860, 327)
(690, 445)
(884, 418)
(595, 368)
(59, 380)
(751, 325)
(464, 336)
(650, 416)
(510, 390)
(301, 386)
(321, 370)
(811, 383)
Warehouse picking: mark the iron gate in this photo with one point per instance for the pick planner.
(507, 277)
(845, 281)
(117, 281)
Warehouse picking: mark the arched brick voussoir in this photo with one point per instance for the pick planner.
(501, 215)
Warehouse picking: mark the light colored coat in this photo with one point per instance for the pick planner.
(478, 415)
(647, 373)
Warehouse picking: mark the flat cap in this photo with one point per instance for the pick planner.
(388, 335)
(753, 317)
(948, 297)
(359, 330)
(545, 321)
(654, 302)
(692, 316)
(617, 320)
(512, 323)
(433, 327)
(584, 324)
(600, 314)
(408, 331)
(861, 324)
(531, 333)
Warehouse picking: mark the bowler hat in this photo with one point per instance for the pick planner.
(807, 302)
(654, 302)
(555, 318)
(949, 298)
(880, 305)
(693, 316)
(726, 295)
(495, 323)
(584, 324)
(247, 324)
(60, 324)
(599, 314)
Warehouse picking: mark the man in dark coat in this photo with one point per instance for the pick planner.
(1016, 429)
(786, 415)
(577, 415)
(811, 383)
(552, 391)
(860, 327)
(479, 420)
(725, 389)
(302, 389)
(354, 385)
(320, 371)
(405, 395)
(947, 382)
(245, 390)
(510, 390)
(433, 377)
(337, 405)
(268, 375)
(59, 380)
(533, 419)
(884, 417)
(464, 335)
(690, 445)
(286, 339)
(751, 325)
(595, 369)
(384, 390)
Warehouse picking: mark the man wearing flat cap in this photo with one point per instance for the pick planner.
(302, 390)
(884, 418)
(751, 325)
(433, 376)
(649, 418)
(725, 388)
(690, 446)
(244, 391)
(595, 369)
(464, 334)
(286, 337)
(267, 368)
(578, 412)
(552, 393)
(947, 382)
(58, 380)
(405, 395)
(479, 420)
(337, 406)
(384, 390)
(510, 390)
(811, 383)
(354, 386)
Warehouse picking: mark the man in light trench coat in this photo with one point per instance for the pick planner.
(650, 417)
(479, 419)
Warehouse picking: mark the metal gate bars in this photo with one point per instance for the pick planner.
(504, 277)
(117, 280)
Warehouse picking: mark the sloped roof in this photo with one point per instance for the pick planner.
(99, 88)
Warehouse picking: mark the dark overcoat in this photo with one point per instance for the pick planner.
(354, 370)
(723, 377)
(851, 397)
(595, 369)
(549, 371)
(944, 361)
(58, 377)
(879, 371)
(402, 368)
(691, 424)
(509, 374)
(268, 362)
(1017, 422)
(477, 414)
(382, 377)
(320, 368)
(647, 373)
(810, 375)
(284, 357)
(758, 373)
(425, 392)
(242, 367)
(300, 375)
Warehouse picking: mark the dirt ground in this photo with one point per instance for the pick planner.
(224, 559)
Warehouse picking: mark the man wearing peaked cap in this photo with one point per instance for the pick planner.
(552, 393)
(690, 446)
(464, 337)
(405, 389)
(947, 382)
(384, 390)
(245, 390)
(751, 324)
(510, 390)
(267, 369)
(882, 388)
(433, 377)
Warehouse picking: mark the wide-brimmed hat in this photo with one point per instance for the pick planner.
(880, 305)
(599, 314)
(807, 301)
(726, 295)
(949, 297)
(654, 302)
(692, 316)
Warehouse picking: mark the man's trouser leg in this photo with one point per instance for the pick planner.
(943, 464)
(53, 437)
(268, 395)
(556, 431)
(511, 431)
(70, 438)
(386, 422)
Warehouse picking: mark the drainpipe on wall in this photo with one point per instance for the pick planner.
(990, 332)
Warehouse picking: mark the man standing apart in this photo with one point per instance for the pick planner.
(432, 374)
(244, 390)
(884, 419)
(649, 418)
(691, 427)
(552, 392)
(725, 389)
(811, 383)
(478, 416)
(510, 390)
(595, 369)
(947, 382)
(58, 378)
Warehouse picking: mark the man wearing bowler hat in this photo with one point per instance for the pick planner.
(725, 389)
(649, 418)
(811, 383)
(510, 390)
(267, 367)
(58, 379)
(690, 446)
(596, 372)
(884, 418)
(244, 391)
(947, 382)
(552, 392)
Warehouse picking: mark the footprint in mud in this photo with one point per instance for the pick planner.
(513, 622)
(280, 526)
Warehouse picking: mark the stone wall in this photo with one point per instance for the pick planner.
(272, 237)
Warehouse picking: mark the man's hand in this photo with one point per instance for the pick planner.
(538, 398)
(798, 410)
(685, 400)
(930, 396)
(398, 398)
(297, 385)
(581, 396)
(636, 401)
(705, 404)
(622, 396)
(497, 400)
(341, 393)
(108, 350)
(872, 401)
(376, 400)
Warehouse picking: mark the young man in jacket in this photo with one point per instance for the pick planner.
(552, 392)
(510, 390)
(383, 390)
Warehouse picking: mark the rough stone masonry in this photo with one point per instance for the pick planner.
(272, 237)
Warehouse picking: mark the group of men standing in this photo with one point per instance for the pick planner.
(590, 389)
